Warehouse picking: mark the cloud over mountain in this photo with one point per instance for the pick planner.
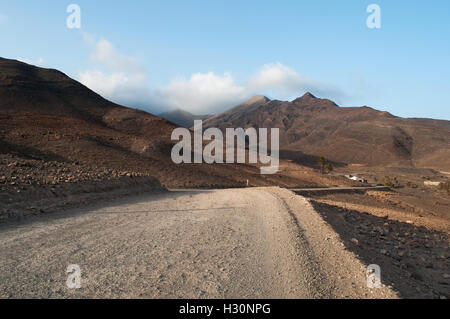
(284, 82)
(202, 93)
(123, 79)
(117, 77)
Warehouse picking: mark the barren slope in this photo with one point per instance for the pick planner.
(359, 135)
(46, 116)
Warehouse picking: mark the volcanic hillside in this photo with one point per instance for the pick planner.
(351, 135)
(46, 117)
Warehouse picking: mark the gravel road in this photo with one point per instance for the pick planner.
(234, 243)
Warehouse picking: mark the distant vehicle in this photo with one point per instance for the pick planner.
(356, 178)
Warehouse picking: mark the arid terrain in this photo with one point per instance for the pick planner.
(84, 180)
(58, 139)
(349, 135)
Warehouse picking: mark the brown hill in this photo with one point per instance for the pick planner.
(357, 135)
(45, 116)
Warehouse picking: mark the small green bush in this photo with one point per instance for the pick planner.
(390, 182)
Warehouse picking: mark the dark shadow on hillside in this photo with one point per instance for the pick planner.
(27, 152)
(413, 260)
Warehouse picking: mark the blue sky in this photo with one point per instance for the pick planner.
(205, 56)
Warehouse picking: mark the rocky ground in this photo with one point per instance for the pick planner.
(405, 231)
(33, 187)
(30, 185)
(414, 258)
(18, 172)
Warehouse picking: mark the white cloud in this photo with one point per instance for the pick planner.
(105, 54)
(202, 93)
(276, 76)
(119, 87)
(284, 82)
(117, 77)
(123, 80)
(103, 84)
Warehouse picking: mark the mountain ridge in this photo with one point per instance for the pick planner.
(351, 135)
(46, 116)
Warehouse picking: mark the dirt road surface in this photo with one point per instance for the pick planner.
(241, 243)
